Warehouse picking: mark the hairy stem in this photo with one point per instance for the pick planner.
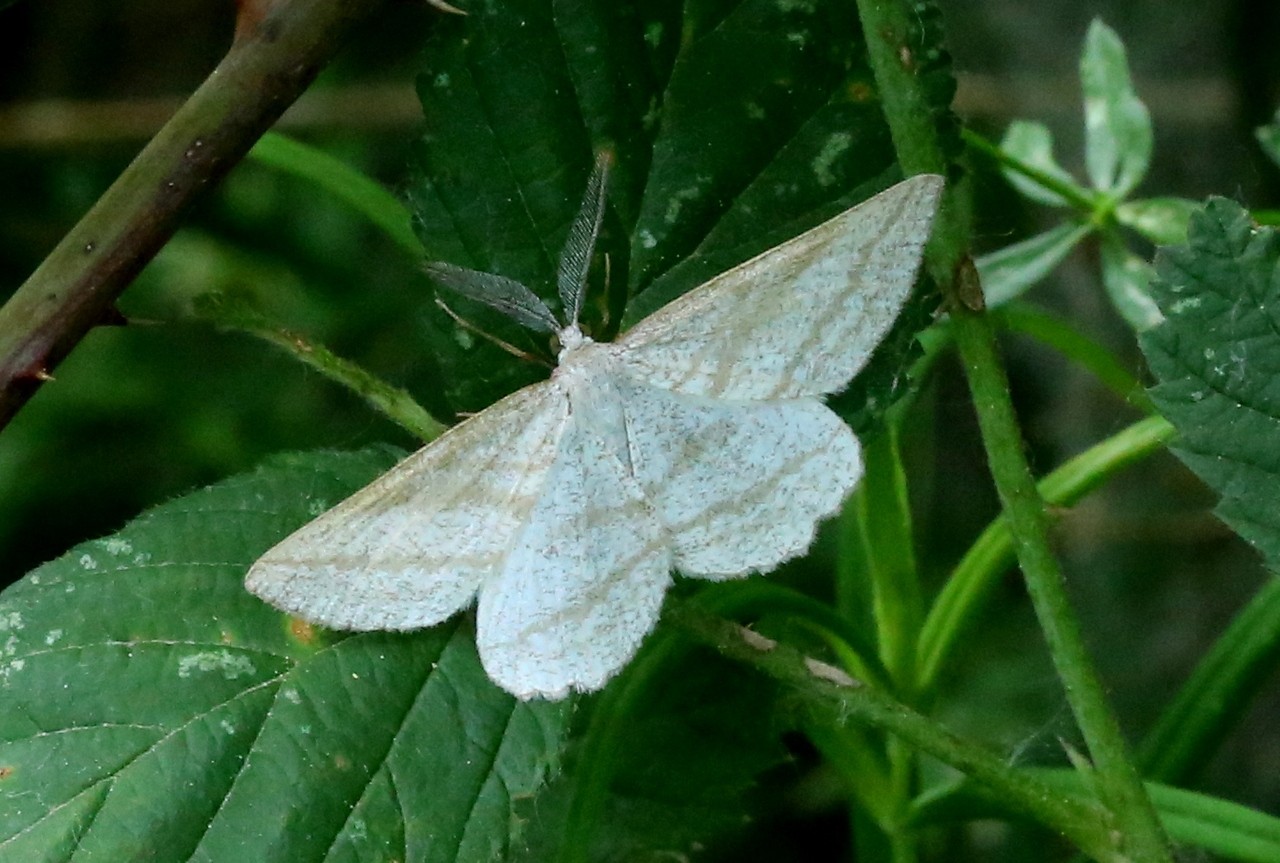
(838, 699)
(1138, 834)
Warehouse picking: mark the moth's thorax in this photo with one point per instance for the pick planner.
(588, 376)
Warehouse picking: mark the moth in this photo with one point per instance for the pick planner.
(698, 441)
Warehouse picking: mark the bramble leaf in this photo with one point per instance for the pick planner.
(150, 707)
(1217, 360)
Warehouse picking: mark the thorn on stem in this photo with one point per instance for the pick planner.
(112, 317)
(35, 372)
(445, 7)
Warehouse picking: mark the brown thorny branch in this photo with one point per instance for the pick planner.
(278, 48)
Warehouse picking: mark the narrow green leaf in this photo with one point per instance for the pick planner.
(343, 182)
(151, 708)
(1087, 353)
(1117, 127)
(975, 577)
(1161, 220)
(1202, 821)
(1009, 272)
(1217, 359)
(236, 313)
(1216, 697)
(1127, 279)
(883, 521)
(1031, 144)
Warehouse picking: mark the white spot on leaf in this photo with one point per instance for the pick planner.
(231, 665)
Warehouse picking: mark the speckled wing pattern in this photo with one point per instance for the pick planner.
(412, 548)
(698, 441)
(798, 320)
(584, 582)
(740, 486)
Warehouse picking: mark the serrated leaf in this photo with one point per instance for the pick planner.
(152, 709)
(1217, 360)
(1127, 279)
(1117, 126)
(1009, 272)
(734, 126)
(686, 758)
(1031, 144)
(1161, 220)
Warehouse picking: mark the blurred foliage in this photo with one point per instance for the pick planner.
(142, 413)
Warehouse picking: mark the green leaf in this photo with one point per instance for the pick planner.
(880, 519)
(1216, 697)
(1031, 144)
(768, 118)
(733, 127)
(150, 707)
(235, 312)
(1269, 138)
(1217, 358)
(1117, 127)
(1161, 220)
(1218, 826)
(682, 751)
(1127, 279)
(343, 182)
(1067, 339)
(1009, 272)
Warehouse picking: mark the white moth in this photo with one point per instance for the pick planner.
(698, 442)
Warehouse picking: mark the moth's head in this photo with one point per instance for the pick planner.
(571, 340)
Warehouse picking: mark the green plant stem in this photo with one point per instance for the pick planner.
(601, 742)
(1069, 193)
(838, 699)
(392, 402)
(1119, 786)
(278, 49)
(976, 574)
(1138, 833)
